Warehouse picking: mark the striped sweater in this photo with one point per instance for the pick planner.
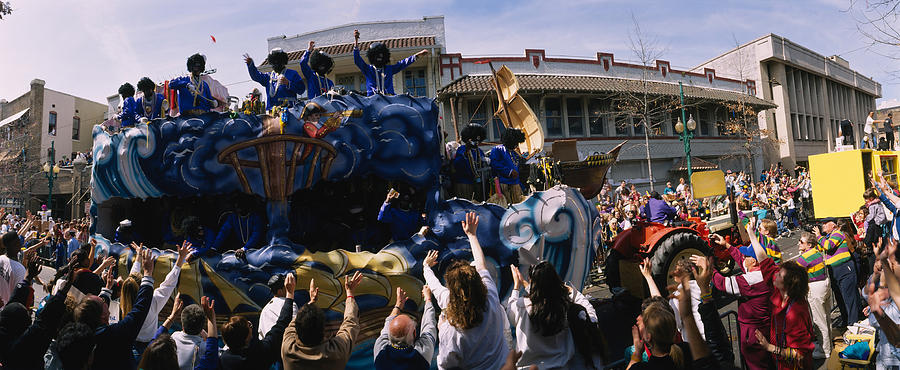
(771, 248)
(814, 264)
(835, 248)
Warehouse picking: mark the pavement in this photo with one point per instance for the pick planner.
(789, 249)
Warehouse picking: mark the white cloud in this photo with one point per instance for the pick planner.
(888, 103)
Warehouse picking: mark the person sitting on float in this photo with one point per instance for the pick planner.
(505, 163)
(151, 104)
(129, 115)
(467, 162)
(200, 237)
(282, 84)
(247, 226)
(194, 96)
(253, 105)
(125, 233)
(398, 214)
(379, 74)
(316, 65)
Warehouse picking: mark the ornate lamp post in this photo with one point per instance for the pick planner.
(51, 171)
(686, 135)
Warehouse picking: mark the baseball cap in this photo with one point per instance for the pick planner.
(276, 282)
(748, 251)
(828, 219)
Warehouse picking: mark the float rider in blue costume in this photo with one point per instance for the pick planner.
(505, 164)
(316, 65)
(468, 162)
(396, 212)
(244, 224)
(282, 84)
(379, 74)
(200, 237)
(129, 115)
(194, 96)
(151, 104)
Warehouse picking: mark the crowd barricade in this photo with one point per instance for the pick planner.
(733, 330)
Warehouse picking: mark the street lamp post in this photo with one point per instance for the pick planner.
(685, 135)
(51, 171)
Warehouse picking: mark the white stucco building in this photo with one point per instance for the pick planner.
(813, 94)
(29, 125)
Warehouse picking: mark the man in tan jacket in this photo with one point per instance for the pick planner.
(304, 345)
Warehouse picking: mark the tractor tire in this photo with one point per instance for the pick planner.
(680, 245)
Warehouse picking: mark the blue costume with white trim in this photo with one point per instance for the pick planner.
(276, 93)
(155, 107)
(318, 85)
(130, 112)
(503, 163)
(192, 96)
(380, 80)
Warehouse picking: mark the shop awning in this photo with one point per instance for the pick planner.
(697, 164)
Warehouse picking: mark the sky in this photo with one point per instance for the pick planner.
(89, 47)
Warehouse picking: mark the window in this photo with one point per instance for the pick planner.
(76, 128)
(553, 117)
(575, 117)
(414, 82)
(622, 123)
(703, 125)
(638, 126)
(51, 125)
(348, 82)
(597, 117)
(476, 111)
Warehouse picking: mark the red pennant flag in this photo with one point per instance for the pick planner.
(213, 38)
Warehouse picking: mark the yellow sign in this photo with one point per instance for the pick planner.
(840, 178)
(708, 183)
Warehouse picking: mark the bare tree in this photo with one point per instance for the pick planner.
(5, 8)
(646, 107)
(742, 119)
(877, 21)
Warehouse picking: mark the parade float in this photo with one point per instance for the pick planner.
(319, 197)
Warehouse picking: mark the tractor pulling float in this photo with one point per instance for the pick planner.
(665, 245)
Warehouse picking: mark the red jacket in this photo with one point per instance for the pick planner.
(791, 325)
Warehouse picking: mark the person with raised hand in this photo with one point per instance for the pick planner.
(209, 360)
(161, 295)
(272, 310)
(754, 308)
(547, 325)
(791, 343)
(397, 347)
(245, 350)
(25, 342)
(304, 345)
(115, 341)
(716, 337)
(472, 318)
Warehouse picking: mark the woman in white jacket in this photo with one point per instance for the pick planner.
(542, 321)
(161, 295)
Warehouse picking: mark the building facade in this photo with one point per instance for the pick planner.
(813, 94)
(39, 127)
(592, 101)
(403, 38)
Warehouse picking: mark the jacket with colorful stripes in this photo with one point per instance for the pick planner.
(834, 247)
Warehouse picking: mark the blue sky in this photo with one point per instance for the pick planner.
(89, 47)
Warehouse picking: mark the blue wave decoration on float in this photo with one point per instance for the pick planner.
(390, 137)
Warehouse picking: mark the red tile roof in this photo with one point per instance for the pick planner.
(535, 83)
(342, 49)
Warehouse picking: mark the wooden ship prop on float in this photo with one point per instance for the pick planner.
(563, 167)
